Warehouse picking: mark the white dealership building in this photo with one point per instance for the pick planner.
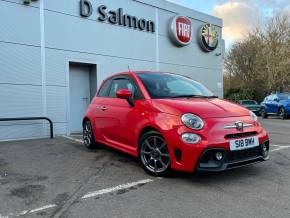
(54, 54)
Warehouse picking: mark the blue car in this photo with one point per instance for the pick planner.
(276, 104)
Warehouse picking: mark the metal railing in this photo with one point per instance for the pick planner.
(31, 118)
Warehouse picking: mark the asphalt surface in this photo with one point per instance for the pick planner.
(60, 178)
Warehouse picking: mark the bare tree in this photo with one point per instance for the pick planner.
(261, 62)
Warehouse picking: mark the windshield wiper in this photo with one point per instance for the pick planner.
(193, 96)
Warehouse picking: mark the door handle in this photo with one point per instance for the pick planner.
(103, 108)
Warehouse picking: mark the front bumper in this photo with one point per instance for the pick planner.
(231, 159)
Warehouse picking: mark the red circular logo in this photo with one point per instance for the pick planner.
(181, 30)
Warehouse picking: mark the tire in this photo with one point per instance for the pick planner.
(154, 155)
(282, 113)
(263, 113)
(88, 136)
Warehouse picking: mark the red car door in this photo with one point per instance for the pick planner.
(119, 119)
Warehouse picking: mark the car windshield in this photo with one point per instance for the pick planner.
(248, 102)
(285, 96)
(166, 85)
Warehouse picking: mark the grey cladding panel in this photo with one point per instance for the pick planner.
(20, 100)
(190, 55)
(80, 34)
(19, 23)
(19, 64)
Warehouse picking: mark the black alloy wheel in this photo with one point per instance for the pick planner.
(88, 135)
(154, 155)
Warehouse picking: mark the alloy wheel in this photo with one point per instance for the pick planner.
(282, 113)
(154, 154)
(87, 134)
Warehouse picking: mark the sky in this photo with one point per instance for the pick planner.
(239, 16)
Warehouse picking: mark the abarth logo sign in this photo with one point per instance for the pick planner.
(208, 37)
(180, 30)
(239, 125)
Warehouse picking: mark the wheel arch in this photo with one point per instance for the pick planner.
(145, 130)
(85, 119)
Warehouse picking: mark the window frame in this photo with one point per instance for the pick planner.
(108, 89)
(138, 95)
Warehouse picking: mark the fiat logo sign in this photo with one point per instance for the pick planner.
(180, 30)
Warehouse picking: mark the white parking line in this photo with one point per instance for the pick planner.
(73, 139)
(279, 147)
(116, 188)
(26, 212)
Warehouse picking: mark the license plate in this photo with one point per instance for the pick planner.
(245, 143)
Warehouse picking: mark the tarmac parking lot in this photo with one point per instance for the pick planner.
(60, 178)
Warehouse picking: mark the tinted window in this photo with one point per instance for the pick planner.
(119, 84)
(104, 90)
(165, 85)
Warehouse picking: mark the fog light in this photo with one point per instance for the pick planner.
(219, 156)
(191, 138)
(265, 151)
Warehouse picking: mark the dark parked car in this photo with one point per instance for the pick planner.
(251, 105)
(276, 104)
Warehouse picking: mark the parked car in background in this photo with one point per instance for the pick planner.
(276, 104)
(172, 122)
(251, 105)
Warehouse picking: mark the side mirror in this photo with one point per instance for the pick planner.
(125, 94)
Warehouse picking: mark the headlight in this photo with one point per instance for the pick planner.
(192, 121)
(254, 116)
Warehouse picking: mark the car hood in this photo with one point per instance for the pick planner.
(205, 108)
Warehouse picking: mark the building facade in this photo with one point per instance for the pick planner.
(55, 54)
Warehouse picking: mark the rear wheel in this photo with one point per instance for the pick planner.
(282, 113)
(154, 155)
(88, 135)
(263, 113)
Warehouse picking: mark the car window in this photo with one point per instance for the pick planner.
(118, 84)
(104, 90)
(275, 98)
(270, 98)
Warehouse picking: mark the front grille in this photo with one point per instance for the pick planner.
(241, 135)
(243, 154)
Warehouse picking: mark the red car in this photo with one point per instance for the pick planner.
(170, 122)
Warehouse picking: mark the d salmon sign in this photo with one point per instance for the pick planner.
(180, 30)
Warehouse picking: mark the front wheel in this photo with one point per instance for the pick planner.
(154, 155)
(282, 113)
(88, 135)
